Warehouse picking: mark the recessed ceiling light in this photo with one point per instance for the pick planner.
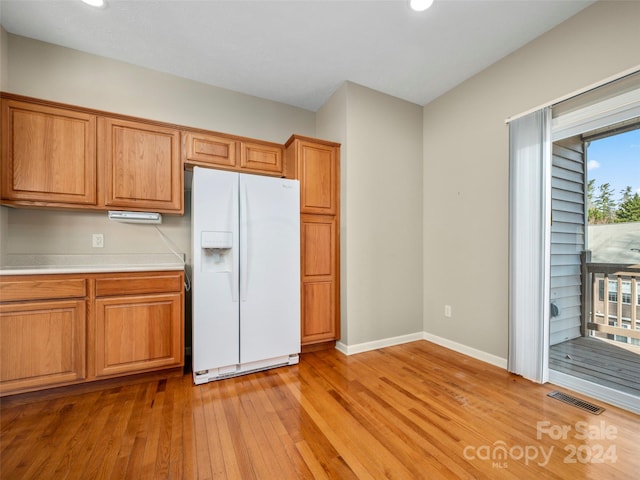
(420, 5)
(95, 3)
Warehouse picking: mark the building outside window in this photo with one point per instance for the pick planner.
(613, 292)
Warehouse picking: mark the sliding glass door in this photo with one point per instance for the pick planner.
(574, 313)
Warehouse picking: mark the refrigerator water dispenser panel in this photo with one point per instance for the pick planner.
(216, 240)
(217, 253)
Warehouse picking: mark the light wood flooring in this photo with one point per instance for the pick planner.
(406, 412)
(604, 362)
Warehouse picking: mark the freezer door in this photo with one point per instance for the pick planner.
(270, 267)
(215, 294)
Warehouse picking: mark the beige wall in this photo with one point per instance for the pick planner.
(4, 55)
(48, 71)
(466, 165)
(381, 237)
(60, 74)
(4, 75)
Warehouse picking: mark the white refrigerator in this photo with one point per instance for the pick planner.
(246, 273)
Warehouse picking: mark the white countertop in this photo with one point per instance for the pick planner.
(45, 264)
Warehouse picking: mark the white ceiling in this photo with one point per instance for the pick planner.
(297, 52)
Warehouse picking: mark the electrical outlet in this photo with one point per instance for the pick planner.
(447, 311)
(97, 240)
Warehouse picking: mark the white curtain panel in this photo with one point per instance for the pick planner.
(529, 231)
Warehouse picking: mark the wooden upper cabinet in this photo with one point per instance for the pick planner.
(142, 167)
(261, 157)
(315, 164)
(232, 153)
(48, 155)
(209, 150)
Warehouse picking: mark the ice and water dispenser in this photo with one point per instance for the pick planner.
(217, 251)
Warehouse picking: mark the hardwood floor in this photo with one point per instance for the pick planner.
(410, 411)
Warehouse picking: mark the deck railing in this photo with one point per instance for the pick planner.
(611, 295)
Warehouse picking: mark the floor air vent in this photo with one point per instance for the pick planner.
(576, 402)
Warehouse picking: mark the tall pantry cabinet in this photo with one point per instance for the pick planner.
(316, 164)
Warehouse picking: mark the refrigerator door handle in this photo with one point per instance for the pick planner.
(244, 223)
(235, 281)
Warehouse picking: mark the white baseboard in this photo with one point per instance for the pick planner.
(385, 342)
(466, 350)
(412, 337)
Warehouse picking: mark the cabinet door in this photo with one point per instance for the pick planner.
(142, 166)
(138, 333)
(42, 344)
(318, 174)
(319, 278)
(48, 154)
(209, 150)
(261, 158)
(318, 300)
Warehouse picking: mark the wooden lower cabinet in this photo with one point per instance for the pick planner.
(117, 324)
(42, 344)
(139, 333)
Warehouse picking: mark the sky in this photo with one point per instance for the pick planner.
(615, 160)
